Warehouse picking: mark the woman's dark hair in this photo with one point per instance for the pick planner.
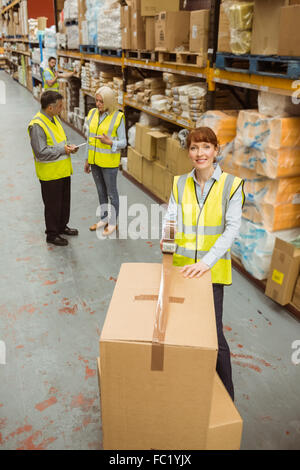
(50, 97)
(202, 134)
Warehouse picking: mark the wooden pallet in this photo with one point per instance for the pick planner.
(194, 59)
(142, 55)
(272, 66)
(110, 52)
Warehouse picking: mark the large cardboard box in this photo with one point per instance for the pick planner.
(158, 186)
(153, 7)
(172, 30)
(296, 294)
(199, 27)
(150, 143)
(177, 160)
(144, 408)
(138, 34)
(265, 37)
(289, 31)
(134, 164)
(225, 422)
(147, 173)
(140, 132)
(162, 149)
(284, 272)
(126, 26)
(150, 33)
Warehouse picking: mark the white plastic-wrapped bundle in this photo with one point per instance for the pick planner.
(254, 247)
(50, 44)
(73, 36)
(109, 25)
(32, 28)
(71, 10)
(93, 8)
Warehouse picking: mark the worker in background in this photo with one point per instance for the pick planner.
(50, 75)
(206, 204)
(106, 138)
(53, 166)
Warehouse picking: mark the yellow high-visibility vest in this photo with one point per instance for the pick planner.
(198, 230)
(54, 87)
(54, 169)
(101, 154)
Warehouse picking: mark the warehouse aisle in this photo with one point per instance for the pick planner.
(54, 301)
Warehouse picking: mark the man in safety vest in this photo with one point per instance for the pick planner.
(50, 76)
(53, 166)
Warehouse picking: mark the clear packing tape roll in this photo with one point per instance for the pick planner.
(240, 16)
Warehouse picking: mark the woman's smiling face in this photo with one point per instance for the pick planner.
(202, 155)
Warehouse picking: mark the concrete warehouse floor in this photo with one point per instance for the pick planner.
(53, 305)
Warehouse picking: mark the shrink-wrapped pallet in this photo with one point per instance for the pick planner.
(271, 146)
(240, 17)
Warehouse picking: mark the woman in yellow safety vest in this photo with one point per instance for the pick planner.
(106, 138)
(206, 205)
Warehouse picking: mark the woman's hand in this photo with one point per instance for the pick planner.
(194, 270)
(104, 139)
(87, 167)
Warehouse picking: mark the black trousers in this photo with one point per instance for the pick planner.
(223, 360)
(56, 196)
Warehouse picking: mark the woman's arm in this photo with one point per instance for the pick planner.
(233, 219)
(119, 142)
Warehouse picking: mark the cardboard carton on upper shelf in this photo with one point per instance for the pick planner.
(199, 27)
(126, 27)
(266, 20)
(138, 35)
(284, 272)
(150, 33)
(172, 30)
(134, 163)
(153, 7)
(289, 32)
(146, 405)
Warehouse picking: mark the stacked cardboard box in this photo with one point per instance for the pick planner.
(167, 396)
(296, 294)
(172, 30)
(284, 272)
(199, 30)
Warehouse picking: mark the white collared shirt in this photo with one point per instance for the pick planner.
(233, 216)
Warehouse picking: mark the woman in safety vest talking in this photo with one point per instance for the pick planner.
(107, 136)
(206, 205)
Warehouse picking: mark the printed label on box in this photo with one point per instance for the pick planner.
(277, 277)
(296, 199)
(194, 31)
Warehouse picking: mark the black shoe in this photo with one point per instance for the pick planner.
(73, 232)
(59, 241)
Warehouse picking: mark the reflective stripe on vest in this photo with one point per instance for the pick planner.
(55, 86)
(52, 169)
(101, 154)
(198, 230)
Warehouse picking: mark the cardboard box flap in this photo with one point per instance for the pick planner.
(157, 135)
(223, 410)
(132, 311)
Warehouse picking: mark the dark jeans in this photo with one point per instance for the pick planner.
(106, 184)
(223, 361)
(56, 196)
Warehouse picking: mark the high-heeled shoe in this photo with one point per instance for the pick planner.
(109, 230)
(100, 224)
